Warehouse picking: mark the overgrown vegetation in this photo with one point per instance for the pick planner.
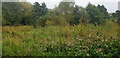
(66, 30)
(66, 13)
(81, 40)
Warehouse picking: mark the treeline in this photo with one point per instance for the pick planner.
(66, 13)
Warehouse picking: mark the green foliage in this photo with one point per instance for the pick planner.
(38, 14)
(41, 21)
(66, 30)
(103, 10)
(39, 10)
(56, 18)
(66, 13)
(95, 15)
(81, 40)
(65, 9)
(117, 16)
(80, 15)
(14, 13)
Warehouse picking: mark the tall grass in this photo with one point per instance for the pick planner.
(81, 40)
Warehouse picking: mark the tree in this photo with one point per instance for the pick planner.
(117, 16)
(44, 9)
(55, 18)
(80, 15)
(96, 16)
(65, 9)
(103, 10)
(26, 15)
(15, 12)
(38, 12)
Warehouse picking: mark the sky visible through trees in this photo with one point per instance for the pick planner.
(68, 29)
(111, 5)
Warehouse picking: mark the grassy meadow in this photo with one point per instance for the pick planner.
(81, 40)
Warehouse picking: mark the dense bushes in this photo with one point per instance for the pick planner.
(66, 13)
(66, 30)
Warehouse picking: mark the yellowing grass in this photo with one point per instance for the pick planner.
(81, 40)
